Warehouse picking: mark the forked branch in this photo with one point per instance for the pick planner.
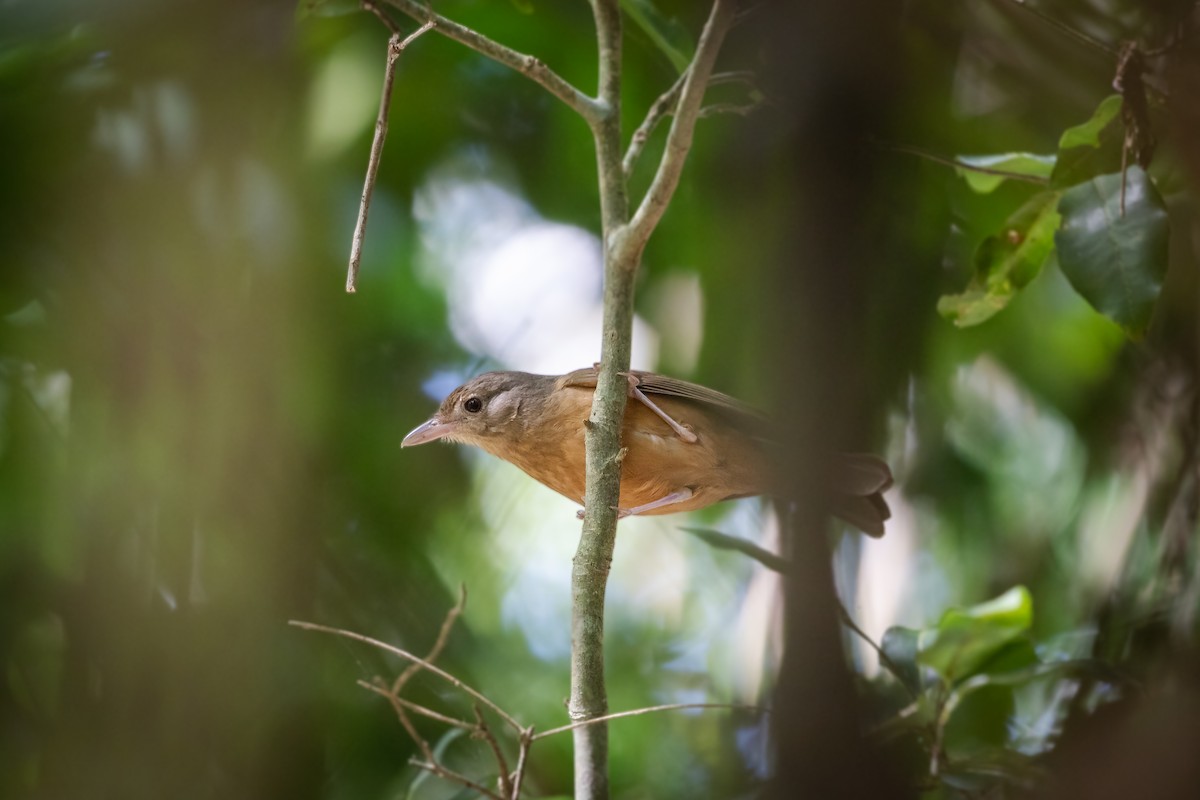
(529, 66)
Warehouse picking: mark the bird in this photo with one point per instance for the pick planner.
(685, 446)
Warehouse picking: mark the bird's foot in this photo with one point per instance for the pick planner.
(678, 496)
(683, 431)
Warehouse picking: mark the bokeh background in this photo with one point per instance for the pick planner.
(199, 430)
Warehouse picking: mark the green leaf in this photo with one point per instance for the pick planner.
(1091, 149)
(668, 35)
(1028, 164)
(1116, 261)
(900, 645)
(965, 639)
(722, 541)
(1006, 262)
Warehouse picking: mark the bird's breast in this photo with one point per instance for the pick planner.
(720, 464)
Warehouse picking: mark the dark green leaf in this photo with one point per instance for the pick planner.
(980, 719)
(1090, 149)
(900, 645)
(965, 639)
(1006, 262)
(1028, 164)
(667, 34)
(1116, 261)
(723, 541)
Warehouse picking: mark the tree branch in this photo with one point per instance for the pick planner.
(436, 670)
(395, 47)
(639, 711)
(529, 66)
(593, 557)
(659, 109)
(679, 141)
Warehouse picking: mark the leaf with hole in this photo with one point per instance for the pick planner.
(1116, 260)
(1006, 262)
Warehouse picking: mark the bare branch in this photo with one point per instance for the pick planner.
(395, 47)
(369, 5)
(529, 66)
(439, 644)
(649, 710)
(441, 673)
(385, 692)
(451, 775)
(679, 140)
(484, 732)
(593, 556)
(522, 756)
(659, 109)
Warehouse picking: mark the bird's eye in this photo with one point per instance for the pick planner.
(473, 405)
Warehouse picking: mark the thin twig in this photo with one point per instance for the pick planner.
(451, 775)
(1065, 29)
(683, 126)
(438, 671)
(439, 644)
(658, 109)
(484, 732)
(395, 47)
(884, 659)
(741, 109)
(639, 711)
(531, 67)
(385, 692)
(369, 5)
(522, 755)
(956, 164)
(410, 728)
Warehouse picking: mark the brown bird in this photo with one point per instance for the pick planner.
(686, 446)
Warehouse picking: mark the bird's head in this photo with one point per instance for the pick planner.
(483, 410)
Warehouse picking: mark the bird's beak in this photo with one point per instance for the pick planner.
(428, 431)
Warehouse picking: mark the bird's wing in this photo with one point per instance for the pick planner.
(747, 417)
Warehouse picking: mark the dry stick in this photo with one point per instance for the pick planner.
(522, 755)
(451, 775)
(386, 693)
(482, 730)
(395, 46)
(439, 644)
(587, 107)
(438, 671)
(414, 668)
(639, 711)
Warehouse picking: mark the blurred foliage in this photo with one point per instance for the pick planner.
(199, 432)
